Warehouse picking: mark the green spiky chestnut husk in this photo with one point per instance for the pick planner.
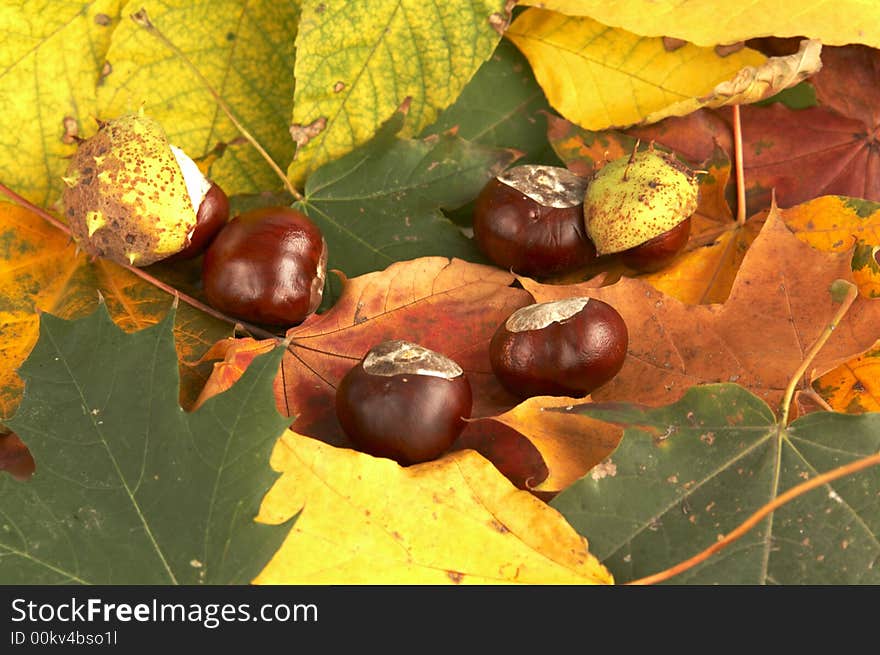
(635, 198)
(130, 196)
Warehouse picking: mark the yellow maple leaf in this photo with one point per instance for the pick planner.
(366, 520)
(706, 22)
(599, 77)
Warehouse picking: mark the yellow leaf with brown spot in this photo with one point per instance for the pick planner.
(41, 271)
(51, 56)
(244, 51)
(357, 62)
(456, 520)
(600, 77)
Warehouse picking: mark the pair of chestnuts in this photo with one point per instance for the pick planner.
(542, 221)
(133, 197)
(408, 403)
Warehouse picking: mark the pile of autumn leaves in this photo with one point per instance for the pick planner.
(742, 304)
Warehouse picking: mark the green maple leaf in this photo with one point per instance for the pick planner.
(129, 488)
(688, 473)
(382, 202)
(502, 106)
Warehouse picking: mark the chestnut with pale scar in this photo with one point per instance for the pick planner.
(404, 402)
(566, 347)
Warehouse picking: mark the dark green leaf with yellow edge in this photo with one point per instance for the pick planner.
(382, 202)
(129, 488)
(502, 106)
(688, 473)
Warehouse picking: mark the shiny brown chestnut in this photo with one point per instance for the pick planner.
(212, 216)
(266, 266)
(655, 253)
(15, 458)
(530, 220)
(404, 402)
(565, 347)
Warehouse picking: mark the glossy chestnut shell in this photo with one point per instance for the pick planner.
(530, 221)
(212, 216)
(655, 253)
(15, 458)
(561, 348)
(266, 266)
(404, 402)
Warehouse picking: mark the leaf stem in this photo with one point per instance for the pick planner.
(27, 204)
(740, 172)
(146, 277)
(852, 293)
(141, 18)
(757, 517)
(816, 398)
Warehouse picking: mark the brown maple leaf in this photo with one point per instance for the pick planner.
(779, 305)
(453, 307)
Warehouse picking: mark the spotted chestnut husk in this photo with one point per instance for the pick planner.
(131, 196)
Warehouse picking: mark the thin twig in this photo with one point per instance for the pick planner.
(846, 303)
(189, 300)
(852, 293)
(754, 519)
(811, 393)
(740, 172)
(27, 204)
(141, 18)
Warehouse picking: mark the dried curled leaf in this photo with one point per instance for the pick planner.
(753, 83)
(600, 77)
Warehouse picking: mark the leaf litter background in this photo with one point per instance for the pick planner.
(391, 191)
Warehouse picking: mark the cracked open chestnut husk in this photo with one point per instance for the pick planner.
(640, 206)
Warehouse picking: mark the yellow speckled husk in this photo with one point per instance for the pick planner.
(125, 197)
(633, 199)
